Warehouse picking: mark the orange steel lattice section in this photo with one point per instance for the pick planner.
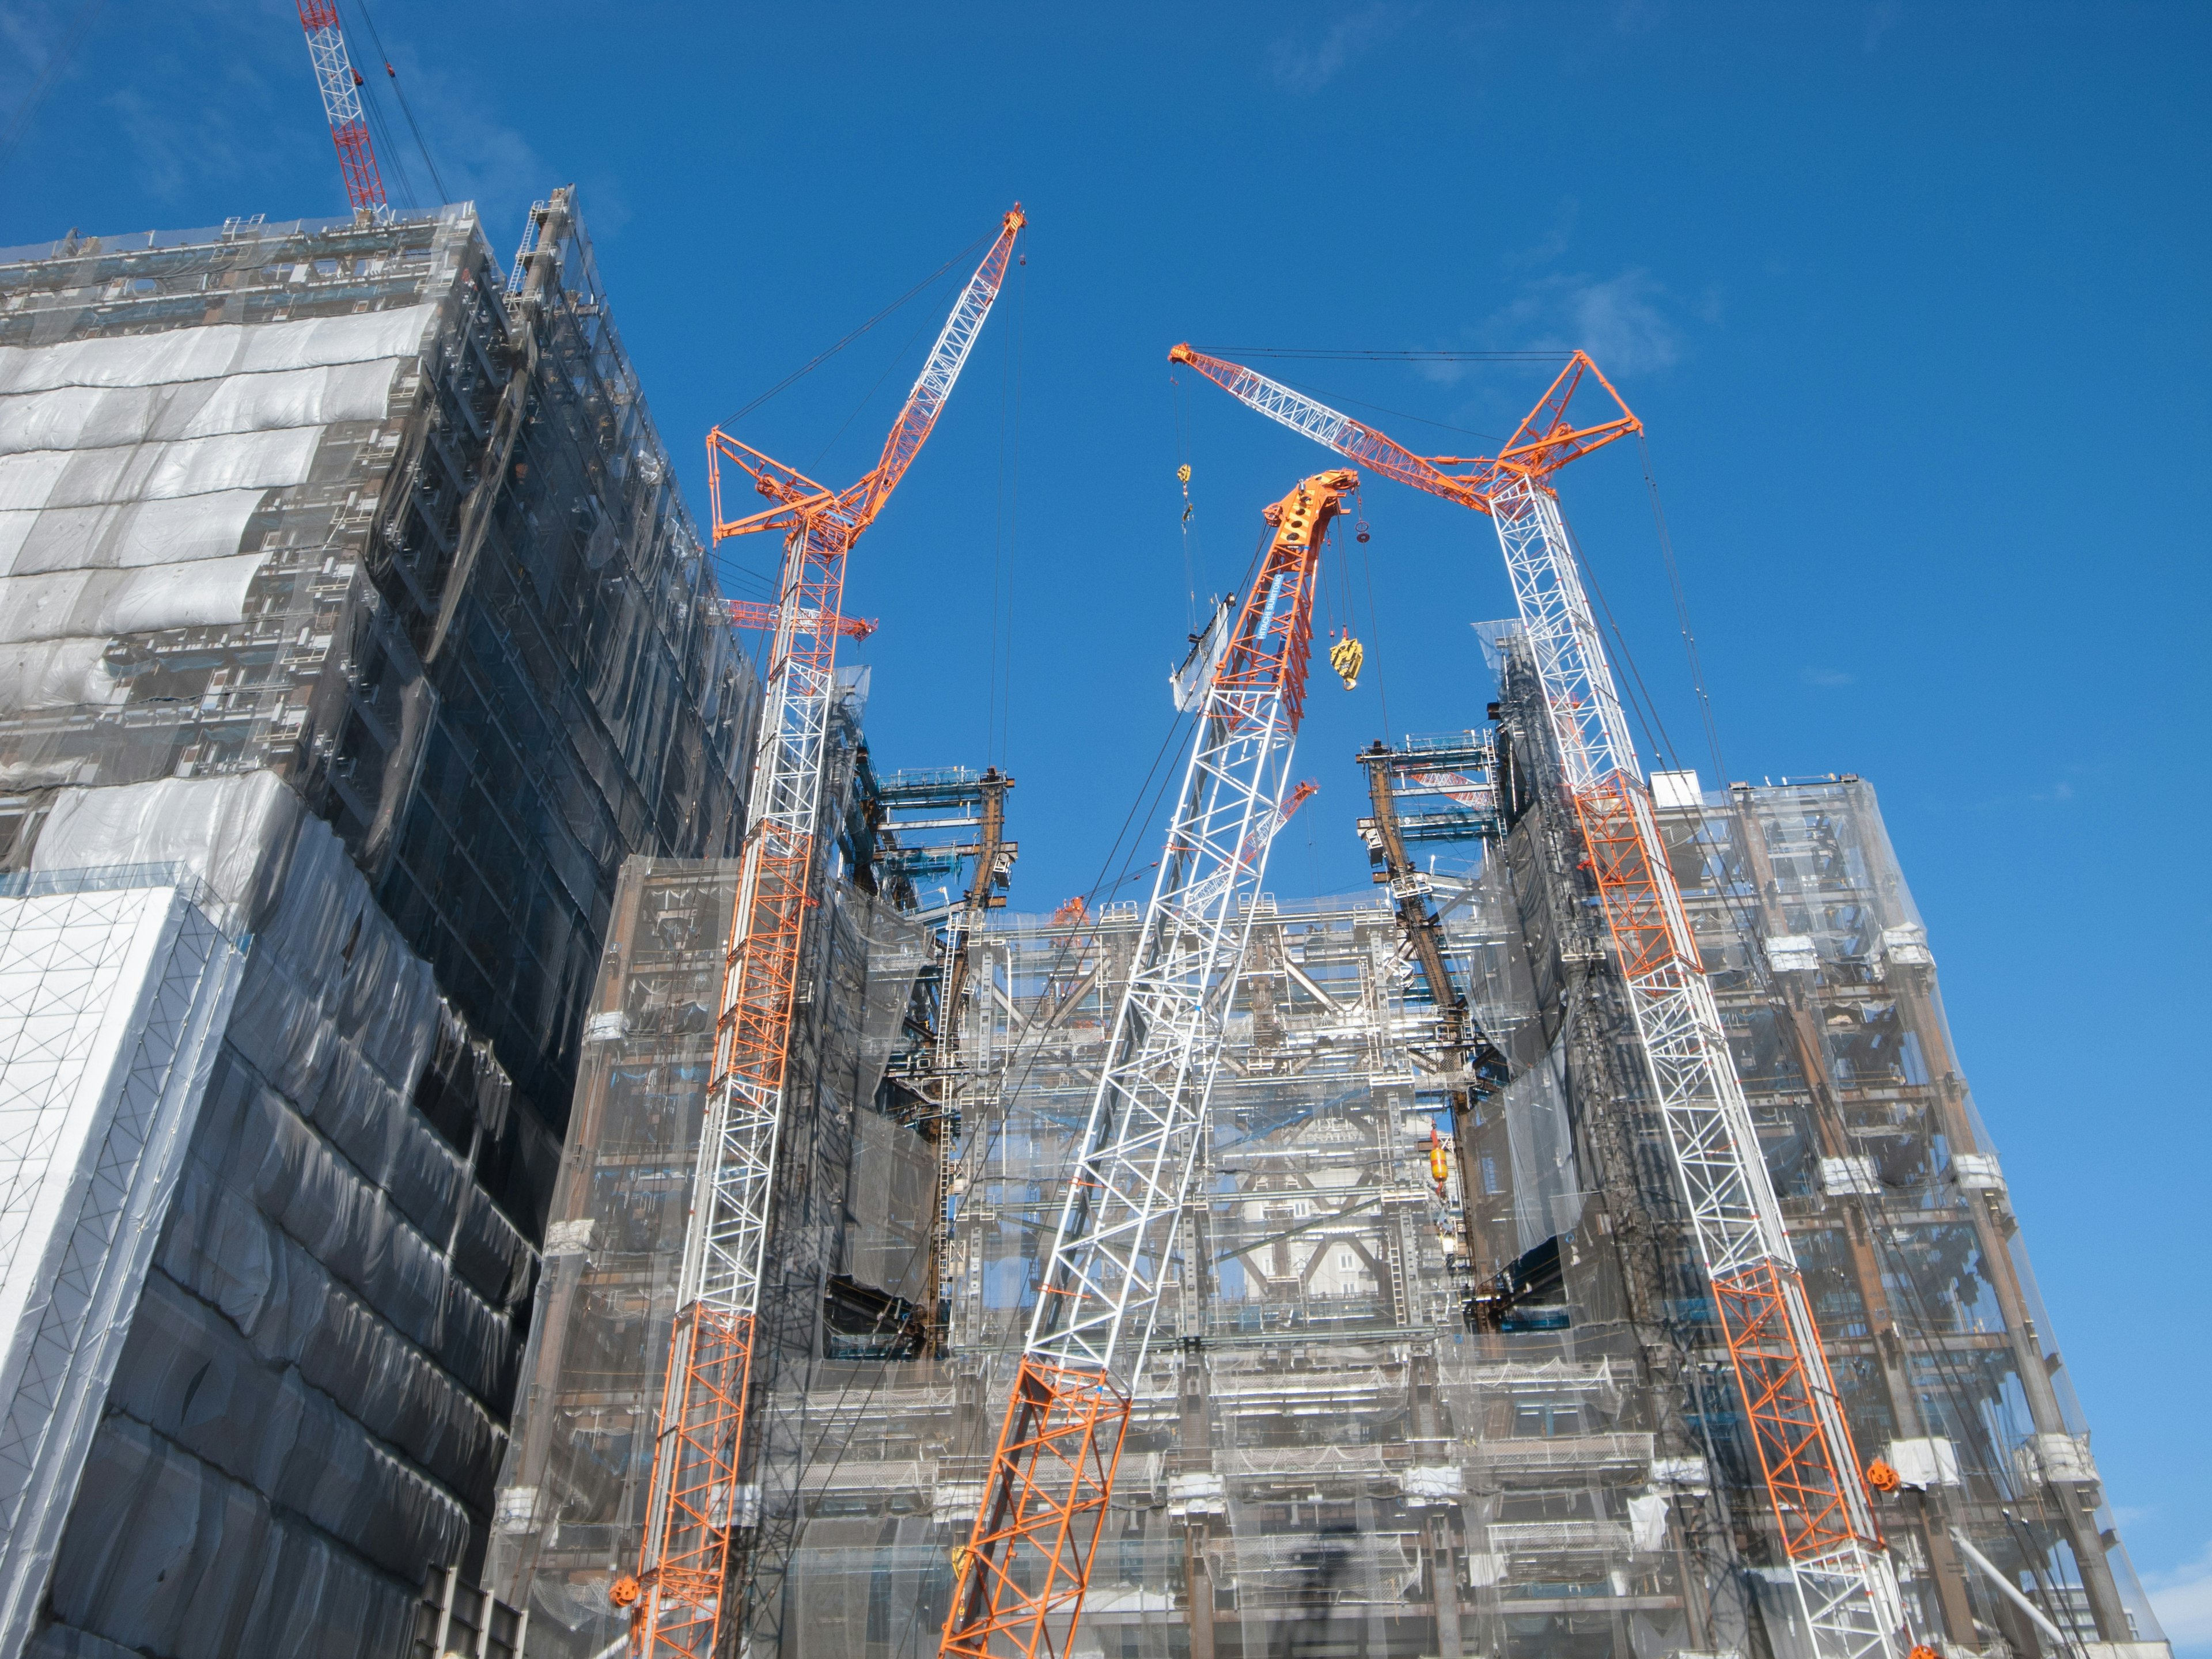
(705, 1397)
(696, 1499)
(1845, 1585)
(1027, 1562)
(1780, 1375)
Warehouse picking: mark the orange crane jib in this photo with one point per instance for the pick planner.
(1802, 1441)
(1543, 443)
(767, 619)
(685, 1587)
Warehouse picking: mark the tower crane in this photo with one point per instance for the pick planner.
(1845, 1584)
(695, 1501)
(1018, 1582)
(340, 83)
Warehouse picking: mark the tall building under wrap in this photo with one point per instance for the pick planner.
(352, 635)
(1380, 1417)
(372, 761)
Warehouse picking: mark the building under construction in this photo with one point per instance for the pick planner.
(412, 894)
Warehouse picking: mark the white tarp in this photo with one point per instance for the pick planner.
(211, 353)
(100, 417)
(132, 466)
(234, 832)
(112, 1006)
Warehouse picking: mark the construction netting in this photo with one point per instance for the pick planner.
(854, 1190)
(356, 593)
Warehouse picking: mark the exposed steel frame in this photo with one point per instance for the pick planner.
(1019, 1580)
(339, 84)
(754, 615)
(1845, 1584)
(696, 1499)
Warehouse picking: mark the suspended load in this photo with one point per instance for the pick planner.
(1346, 656)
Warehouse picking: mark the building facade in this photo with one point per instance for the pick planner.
(352, 634)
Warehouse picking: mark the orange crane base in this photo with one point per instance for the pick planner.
(1029, 1558)
(706, 1402)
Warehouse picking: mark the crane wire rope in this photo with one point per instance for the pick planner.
(391, 75)
(825, 354)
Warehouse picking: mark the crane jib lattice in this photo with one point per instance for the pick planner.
(1845, 1584)
(698, 1497)
(1020, 1578)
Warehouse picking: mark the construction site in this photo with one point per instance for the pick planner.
(520, 1133)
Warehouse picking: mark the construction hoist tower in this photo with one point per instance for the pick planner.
(1019, 1581)
(1845, 1584)
(696, 1501)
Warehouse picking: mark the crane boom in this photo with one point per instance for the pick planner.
(1020, 1579)
(695, 1501)
(340, 84)
(1844, 1579)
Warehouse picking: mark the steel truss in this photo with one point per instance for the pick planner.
(1020, 1580)
(696, 1500)
(341, 89)
(1845, 1585)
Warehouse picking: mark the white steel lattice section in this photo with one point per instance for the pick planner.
(696, 1501)
(334, 78)
(1555, 615)
(1845, 1583)
(1020, 1580)
(723, 1253)
(1102, 1280)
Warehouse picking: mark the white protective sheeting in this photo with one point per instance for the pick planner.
(137, 472)
(131, 467)
(100, 417)
(207, 353)
(126, 535)
(56, 674)
(86, 604)
(235, 832)
(112, 1006)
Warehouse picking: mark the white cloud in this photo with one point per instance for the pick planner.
(2183, 1599)
(1618, 320)
(1303, 65)
(1880, 19)
(1826, 677)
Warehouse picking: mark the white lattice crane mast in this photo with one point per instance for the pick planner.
(694, 1501)
(1844, 1579)
(1019, 1582)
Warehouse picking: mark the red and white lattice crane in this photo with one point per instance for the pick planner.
(340, 84)
(1844, 1581)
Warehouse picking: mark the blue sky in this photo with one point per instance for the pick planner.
(1912, 297)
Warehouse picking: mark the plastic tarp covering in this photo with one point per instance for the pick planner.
(571, 1499)
(314, 1373)
(111, 1004)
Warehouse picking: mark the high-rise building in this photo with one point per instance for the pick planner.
(352, 635)
(1384, 1415)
